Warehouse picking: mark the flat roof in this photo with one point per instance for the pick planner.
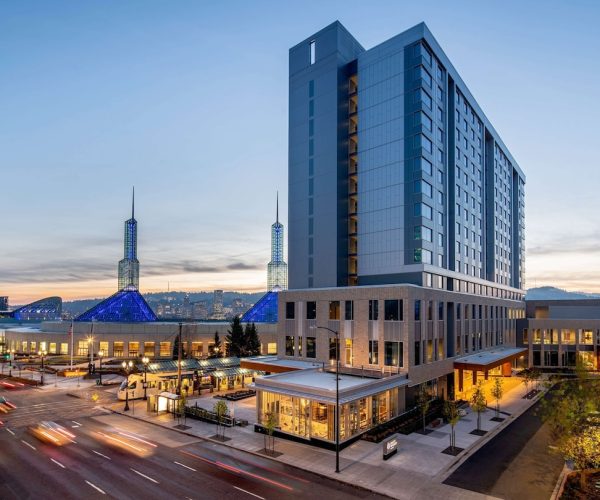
(321, 385)
(287, 363)
(492, 356)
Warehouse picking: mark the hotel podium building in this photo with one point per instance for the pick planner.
(406, 234)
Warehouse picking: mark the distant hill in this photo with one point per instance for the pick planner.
(553, 293)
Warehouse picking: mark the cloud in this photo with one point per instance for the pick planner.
(242, 266)
(61, 271)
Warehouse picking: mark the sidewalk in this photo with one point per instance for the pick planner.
(416, 471)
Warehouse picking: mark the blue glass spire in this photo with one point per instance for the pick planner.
(264, 311)
(125, 306)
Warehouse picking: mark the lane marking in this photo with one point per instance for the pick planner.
(186, 466)
(58, 463)
(95, 487)
(30, 445)
(102, 455)
(249, 493)
(76, 423)
(10, 431)
(144, 475)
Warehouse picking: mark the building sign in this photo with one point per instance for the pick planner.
(390, 447)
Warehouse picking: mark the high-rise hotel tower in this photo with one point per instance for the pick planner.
(277, 271)
(395, 173)
(129, 266)
(406, 236)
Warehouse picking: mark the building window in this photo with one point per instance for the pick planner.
(373, 310)
(417, 310)
(134, 349)
(333, 354)
(334, 309)
(82, 348)
(272, 348)
(417, 353)
(313, 51)
(423, 256)
(311, 310)
(289, 345)
(149, 349)
(373, 352)
(52, 348)
(290, 310)
(440, 311)
(426, 166)
(423, 233)
(393, 310)
(118, 349)
(103, 347)
(64, 348)
(348, 310)
(423, 210)
(423, 187)
(393, 353)
(311, 347)
(165, 349)
(197, 349)
(425, 143)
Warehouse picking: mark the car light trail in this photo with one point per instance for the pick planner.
(240, 471)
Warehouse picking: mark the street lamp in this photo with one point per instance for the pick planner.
(91, 350)
(12, 356)
(42, 354)
(337, 393)
(127, 366)
(145, 360)
(100, 355)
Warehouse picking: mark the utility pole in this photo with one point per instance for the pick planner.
(179, 355)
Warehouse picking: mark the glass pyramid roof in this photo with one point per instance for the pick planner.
(125, 306)
(264, 311)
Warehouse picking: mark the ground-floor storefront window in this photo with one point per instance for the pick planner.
(316, 419)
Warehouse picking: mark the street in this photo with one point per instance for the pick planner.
(514, 464)
(180, 466)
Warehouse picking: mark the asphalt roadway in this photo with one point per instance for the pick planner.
(180, 466)
(515, 464)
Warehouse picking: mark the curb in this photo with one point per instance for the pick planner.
(255, 453)
(443, 475)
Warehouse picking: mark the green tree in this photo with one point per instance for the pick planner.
(452, 414)
(423, 402)
(572, 413)
(478, 403)
(526, 375)
(220, 409)
(217, 347)
(176, 349)
(252, 340)
(235, 339)
(497, 393)
(270, 424)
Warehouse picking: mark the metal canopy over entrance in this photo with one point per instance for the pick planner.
(500, 357)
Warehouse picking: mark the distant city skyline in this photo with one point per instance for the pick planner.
(189, 103)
